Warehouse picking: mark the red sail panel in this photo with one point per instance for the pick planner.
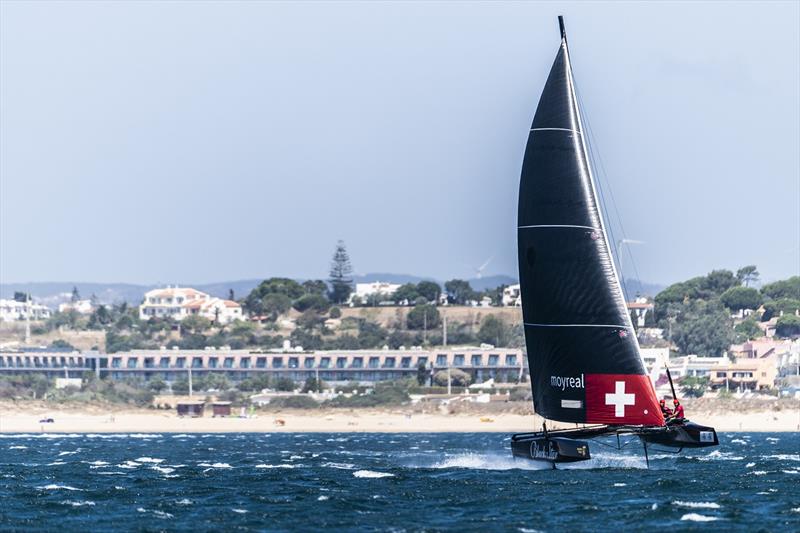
(621, 399)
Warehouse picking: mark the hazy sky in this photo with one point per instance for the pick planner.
(158, 142)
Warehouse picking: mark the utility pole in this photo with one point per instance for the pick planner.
(448, 378)
(424, 326)
(190, 380)
(444, 330)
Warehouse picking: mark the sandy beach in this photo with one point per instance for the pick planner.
(19, 420)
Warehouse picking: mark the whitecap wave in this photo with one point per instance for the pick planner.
(480, 461)
(17, 447)
(240, 511)
(185, 501)
(56, 486)
(61, 454)
(371, 474)
(276, 466)
(156, 512)
(215, 465)
(149, 460)
(694, 517)
(783, 456)
(697, 505)
(322, 498)
(717, 455)
(340, 466)
(162, 469)
(738, 441)
(78, 503)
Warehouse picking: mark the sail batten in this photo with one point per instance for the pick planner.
(577, 327)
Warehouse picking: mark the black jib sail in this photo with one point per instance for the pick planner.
(583, 354)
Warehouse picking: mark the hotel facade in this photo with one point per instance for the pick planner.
(333, 366)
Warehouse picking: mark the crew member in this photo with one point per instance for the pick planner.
(678, 411)
(666, 411)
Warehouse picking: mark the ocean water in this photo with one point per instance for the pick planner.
(399, 482)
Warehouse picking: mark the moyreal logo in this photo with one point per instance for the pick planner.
(567, 382)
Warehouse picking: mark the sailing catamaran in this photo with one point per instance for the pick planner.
(583, 354)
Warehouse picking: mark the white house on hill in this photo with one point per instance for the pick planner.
(180, 302)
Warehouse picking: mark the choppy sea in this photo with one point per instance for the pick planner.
(400, 482)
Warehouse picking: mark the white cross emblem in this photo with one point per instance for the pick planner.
(619, 399)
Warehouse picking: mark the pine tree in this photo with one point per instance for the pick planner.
(341, 273)
(75, 294)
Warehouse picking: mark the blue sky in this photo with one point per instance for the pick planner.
(156, 142)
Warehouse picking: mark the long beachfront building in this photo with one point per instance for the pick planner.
(345, 365)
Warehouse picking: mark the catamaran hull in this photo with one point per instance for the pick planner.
(550, 449)
(683, 435)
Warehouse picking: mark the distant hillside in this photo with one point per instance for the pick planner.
(54, 293)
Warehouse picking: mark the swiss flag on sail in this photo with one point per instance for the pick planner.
(621, 399)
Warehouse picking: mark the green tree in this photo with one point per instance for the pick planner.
(157, 385)
(21, 296)
(747, 275)
(335, 312)
(429, 290)
(737, 298)
(747, 329)
(778, 307)
(407, 291)
(458, 378)
(703, 328)
(788, 326)
(459, 292)
(423, 317)
(315, 286)
(314, 301)
(180, 386)
(61, 345)
(195, 324)
(787, 288)
(314, 385)
(719, 281)
(76, 296)
(370, 335)
(275, 304)
(423, 374)
(341, 275)
(494, 331)
(693, 386)
(256, 300)
(284, 384)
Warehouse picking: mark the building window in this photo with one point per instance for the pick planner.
(389, 362)
(261, 362)
(244, 362)
(116, 362)
(164, 362)
(511, 360)
(721, 374)
(277, 362)
(494, 359)
(477, 360)
(422, 361)
(458, 359)
(180, 362)
(325, 362)
(197, 362)
(341, 362)
(374, 362)
(228, 363)
(405, 362)
(213, 362)
(294, 362)
(358, 362)
(308, 362)
(441, 360)
(149, 362)
(132, 362)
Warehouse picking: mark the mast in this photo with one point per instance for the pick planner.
(583, 355)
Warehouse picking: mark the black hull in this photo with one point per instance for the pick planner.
(682, 435)
(549, 449)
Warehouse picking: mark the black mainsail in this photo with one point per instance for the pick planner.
(583, 354)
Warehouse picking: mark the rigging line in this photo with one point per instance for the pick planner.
(597, 158)
(593, 147)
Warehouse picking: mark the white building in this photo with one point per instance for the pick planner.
(12, 310)
(365, 290)
(178, 303)
(512, 296)
(83, 307)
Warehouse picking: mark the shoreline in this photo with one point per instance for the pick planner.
(350, 421)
